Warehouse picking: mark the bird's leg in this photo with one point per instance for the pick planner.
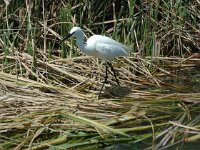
(106, 77)
(114, 73)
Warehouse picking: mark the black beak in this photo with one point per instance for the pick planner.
(68, 36)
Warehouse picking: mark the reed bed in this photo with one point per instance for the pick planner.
(48, 89)
(39, 116)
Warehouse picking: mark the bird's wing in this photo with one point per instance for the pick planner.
(108, 51)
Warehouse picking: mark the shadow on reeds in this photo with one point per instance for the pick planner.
(116, 91)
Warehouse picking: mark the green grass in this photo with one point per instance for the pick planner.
(137, 20)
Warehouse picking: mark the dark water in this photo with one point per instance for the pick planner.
(187, 81)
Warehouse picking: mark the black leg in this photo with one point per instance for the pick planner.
(106, 77)
(113, 73)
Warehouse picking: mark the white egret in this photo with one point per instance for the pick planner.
(99, 46)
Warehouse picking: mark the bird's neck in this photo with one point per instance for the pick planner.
(80, 43)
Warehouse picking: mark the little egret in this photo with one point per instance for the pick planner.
(101, 47)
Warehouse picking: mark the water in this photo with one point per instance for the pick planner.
(188, 81)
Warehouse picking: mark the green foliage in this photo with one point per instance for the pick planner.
(132, 22)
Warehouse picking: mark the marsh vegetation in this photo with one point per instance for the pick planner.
(48, 89)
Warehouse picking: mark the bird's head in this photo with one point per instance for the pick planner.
(74, 32)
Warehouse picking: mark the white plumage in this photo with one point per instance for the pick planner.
(101, 47)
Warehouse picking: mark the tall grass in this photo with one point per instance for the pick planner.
(149, 28)
(128, 21)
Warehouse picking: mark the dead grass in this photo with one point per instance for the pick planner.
(52, 111)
